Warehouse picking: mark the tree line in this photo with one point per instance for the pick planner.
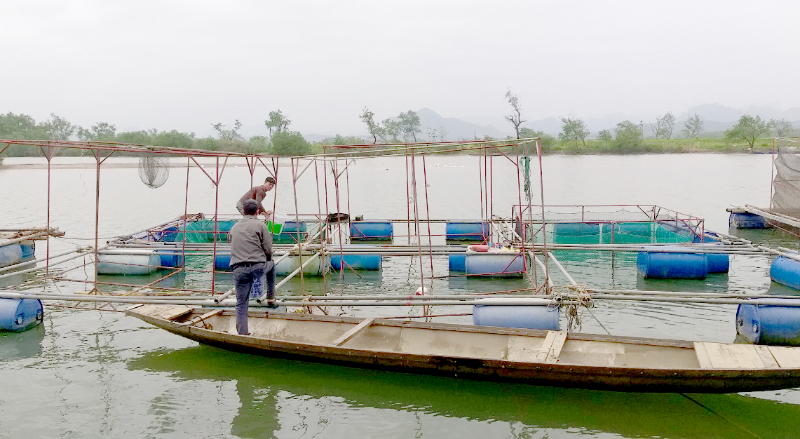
(630, 137)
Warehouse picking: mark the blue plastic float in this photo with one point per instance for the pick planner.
(638, 229)
(458, 262)
(656, 263)
(745, 220)
(171, 258)
(28, 249)
(356, 262)
(475, 231)
(371, 230)
(20, 314)
(499, 264)
(128, 262)
(769, 324)
(538, 315)
(785, 271)
(10, 254)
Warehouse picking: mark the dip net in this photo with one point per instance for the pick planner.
(153, 170)
(786, 179)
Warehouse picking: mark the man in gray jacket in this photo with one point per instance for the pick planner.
(251, 258)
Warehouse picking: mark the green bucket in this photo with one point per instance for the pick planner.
(274, 228)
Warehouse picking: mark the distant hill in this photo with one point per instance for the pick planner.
(433, 124)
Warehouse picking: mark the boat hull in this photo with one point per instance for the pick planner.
(565, 374)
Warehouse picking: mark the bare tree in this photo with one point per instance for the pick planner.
(782, 127)
(663, 127)
(516, 117)
(693, 126)
(374, 128)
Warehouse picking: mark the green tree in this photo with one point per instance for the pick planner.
(99, 132)
(516, 115)
(605, 136)
(409, 125)
(59, 128)
(174, 139)
(573, 129)
(628, 136)
(781, 127)
(390, 131)
(21, 126)
(289, 143)
(277, 122)
(374, 128)
(693, 127)
(229, 134)
(748, 128)
(137, 137)
(547, 140)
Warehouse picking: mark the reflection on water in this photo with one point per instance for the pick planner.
(283, 396)
(25, 344)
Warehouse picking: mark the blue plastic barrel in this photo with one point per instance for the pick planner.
(371, 230)
(658, 264)
(576, 229)
(128, 262)
(10, 254)
(458, 262)
(356, 262)
(171, 258)
(500, 264)
(28, 248)
(222, 261)
(475, 231)
(531, 317)
(769, 324)
(20, 314)
(785, 271)
(744, 220)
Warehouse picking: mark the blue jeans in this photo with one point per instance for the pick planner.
(244, 276)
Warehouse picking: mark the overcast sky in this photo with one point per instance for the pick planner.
(186, 64)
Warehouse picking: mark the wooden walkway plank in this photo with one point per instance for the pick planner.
(787, 357)
(551, 348)
(352, 332)
(732, 356)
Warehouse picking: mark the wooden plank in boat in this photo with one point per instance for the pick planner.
(352, 332)
(202, 317)
(167, 312)
(787, 358)
(702, 356)
(766, 356)
(551, 348)
(730, 356)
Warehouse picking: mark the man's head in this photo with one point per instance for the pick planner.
(269, 183)
(250, 207)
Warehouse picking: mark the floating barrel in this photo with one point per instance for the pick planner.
(292, 263)
(20, 314)
(170, 258)
(499, 264)
(786, 271)
(576, 229)
(654, 262)
(128, 262)
(10, 254)
(371, 230)
(467, 231)
(28, 248)
(356, 262)
(222, 261)
(769, 324)
(717, 262)
(744, 220)
(516, 313)
(458, 262)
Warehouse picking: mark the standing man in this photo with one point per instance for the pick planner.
(251, 258)
(257, 194)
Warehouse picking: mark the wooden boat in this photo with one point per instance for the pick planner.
(502, 354)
